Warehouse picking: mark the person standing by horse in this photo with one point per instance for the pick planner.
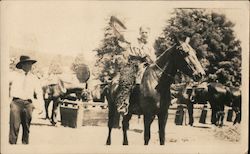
(137, 57)
(24, 87)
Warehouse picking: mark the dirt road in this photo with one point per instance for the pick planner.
(201, 138)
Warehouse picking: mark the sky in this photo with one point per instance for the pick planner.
(76, 27)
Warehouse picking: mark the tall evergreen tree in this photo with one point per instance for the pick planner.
(107, 63)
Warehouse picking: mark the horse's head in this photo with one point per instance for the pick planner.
(187, 61)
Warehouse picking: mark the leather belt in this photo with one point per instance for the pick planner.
(16, 98)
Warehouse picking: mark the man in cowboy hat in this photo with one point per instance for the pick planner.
(24, 86)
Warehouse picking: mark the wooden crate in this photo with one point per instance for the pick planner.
(71, 114)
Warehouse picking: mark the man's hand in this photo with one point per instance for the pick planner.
(146, 64)
(144, 59)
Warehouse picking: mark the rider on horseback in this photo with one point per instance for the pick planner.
(136, 57)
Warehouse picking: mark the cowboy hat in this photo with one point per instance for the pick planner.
(24, 59)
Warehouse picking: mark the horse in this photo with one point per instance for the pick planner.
(57, 92)
(218, 97)
(153, 96)
(53, 92)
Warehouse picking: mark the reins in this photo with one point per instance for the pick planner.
(159, 68)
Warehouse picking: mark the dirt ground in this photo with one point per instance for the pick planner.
(91, 137)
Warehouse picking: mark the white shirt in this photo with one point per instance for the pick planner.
(24, 86)
(143, 49)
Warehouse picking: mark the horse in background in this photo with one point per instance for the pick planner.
(58, 91)
(154, 97)
(219, 96)
(52, 93)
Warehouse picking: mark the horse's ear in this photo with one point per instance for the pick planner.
(187, 40)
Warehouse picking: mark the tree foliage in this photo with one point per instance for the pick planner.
(13, 62)
(55, 66)
(108, 56)
(212, 36)
(78, 62)
(80, 68)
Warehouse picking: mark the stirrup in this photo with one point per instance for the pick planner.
(123, 110)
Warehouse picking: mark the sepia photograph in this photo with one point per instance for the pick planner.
(124, 77)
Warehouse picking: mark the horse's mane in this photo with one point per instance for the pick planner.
(162, 58)
(153, 72)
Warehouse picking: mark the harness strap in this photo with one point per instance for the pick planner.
(162, 71)
(159, 68)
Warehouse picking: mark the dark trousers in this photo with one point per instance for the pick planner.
(20, 113)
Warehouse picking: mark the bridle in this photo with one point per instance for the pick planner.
(162, 70)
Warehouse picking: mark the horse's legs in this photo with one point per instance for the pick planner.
(110, 126)
(162, 120)
(54, 110)
(190, 113)
(219, 111)
(46, 105)
(125, 127)
(148, 119)
(108, 142)
(217, 118)
(222, 118)
(218, 115)
(111, 117)
(213, 116)
(238, 116)
(111, 114)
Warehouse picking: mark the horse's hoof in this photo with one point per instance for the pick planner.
(125, 143)
(108, 143)
(118, 127)
(54, 123)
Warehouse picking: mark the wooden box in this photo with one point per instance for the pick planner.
(71, 114)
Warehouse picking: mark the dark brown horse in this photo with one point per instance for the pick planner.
(219, 96)
(153, 96)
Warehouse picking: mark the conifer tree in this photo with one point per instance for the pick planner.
(107, 64)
